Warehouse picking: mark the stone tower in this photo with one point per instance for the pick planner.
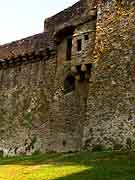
(111, 99)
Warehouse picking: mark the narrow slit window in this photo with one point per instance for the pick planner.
(79, 45)
(86, 37)
(69, 48)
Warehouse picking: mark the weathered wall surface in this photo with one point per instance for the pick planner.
(35, 111)
(84, 56)
(35, 114)
(68, 109)
(111, 100)
(26, 93)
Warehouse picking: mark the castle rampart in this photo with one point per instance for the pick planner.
(72, 86)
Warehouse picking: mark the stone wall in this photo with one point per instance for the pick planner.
(111, 100)
(37, 114)
(86, 33)
(26, 93)
(68, 109)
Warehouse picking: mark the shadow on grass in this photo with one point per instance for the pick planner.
(98, 174)
(105, 166)
(99, 166)
(85, 175)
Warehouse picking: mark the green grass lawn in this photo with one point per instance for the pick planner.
(72, 166)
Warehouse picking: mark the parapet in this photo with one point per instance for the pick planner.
(31, 49)
(34, 43)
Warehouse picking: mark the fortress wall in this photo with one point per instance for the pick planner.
(111, 101)
(26, 92)
(35, 114)
(35, 111)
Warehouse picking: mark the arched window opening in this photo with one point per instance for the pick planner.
(69, 84)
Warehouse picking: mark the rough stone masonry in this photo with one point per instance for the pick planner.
(71, 87)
